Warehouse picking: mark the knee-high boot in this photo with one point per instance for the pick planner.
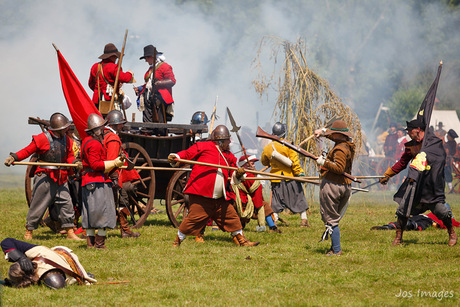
(400, 226)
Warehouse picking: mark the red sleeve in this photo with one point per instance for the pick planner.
(113, 150)
(165, 72)
(92, 77)
(402, 162)
(190, 153)
(94, 154)
(27, 151)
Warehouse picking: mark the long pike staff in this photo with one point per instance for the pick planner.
(235, 129)
(115, 86)
(262, 134)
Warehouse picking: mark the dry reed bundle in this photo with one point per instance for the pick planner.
(305, 100)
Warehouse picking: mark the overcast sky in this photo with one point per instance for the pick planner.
(208, 61)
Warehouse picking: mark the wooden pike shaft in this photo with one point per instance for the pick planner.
(123, 167)
(112, 282)
(45, 164)
(275, 176)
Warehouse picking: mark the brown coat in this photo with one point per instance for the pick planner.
(339, 160)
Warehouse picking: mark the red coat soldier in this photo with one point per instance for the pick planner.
(51, 190)
(121, 178)
(98, 206)
(207, 188)
(105, 72)
(156, 94)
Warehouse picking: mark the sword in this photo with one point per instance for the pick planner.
(235, 129)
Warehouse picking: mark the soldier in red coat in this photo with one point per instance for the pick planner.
(155, 96)
(121, 178)
(207, 188)
(51, 189)
(103, 74)
(98, 206)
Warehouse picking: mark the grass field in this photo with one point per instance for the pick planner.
(288, 269)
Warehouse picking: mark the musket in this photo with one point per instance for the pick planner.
(327, 125)
(43, 124)
(115, 86)
(274, 176)
(262, 134)
(235, 129)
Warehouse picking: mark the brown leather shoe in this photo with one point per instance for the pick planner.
(304, 223)
(240, 240)
(177, 242)
(90, 241)
(331, 253)
(28, 235)
(452, 236)
(274, 229)
(99, 242)
(398, 239)
(126, 232)
(199, 238)
(72, 236)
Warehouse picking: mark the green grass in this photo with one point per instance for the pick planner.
(284, 270)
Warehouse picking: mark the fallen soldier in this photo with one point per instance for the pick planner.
(35, 264)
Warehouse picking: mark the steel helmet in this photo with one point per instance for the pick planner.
(220, 133)
(95, 121)
(199, 118)
(279, 129)
(58, 121)
(54, 279)
(115, 117)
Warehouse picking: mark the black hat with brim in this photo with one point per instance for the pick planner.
(415, 123)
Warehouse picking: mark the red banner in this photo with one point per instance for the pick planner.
(79, 103)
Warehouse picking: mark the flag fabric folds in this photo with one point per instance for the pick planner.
(79, 103)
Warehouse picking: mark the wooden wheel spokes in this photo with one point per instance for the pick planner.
(180, 210)
(176, 200)
(145, 185)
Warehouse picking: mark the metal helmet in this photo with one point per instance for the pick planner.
(220, 133)
(58, 121)
(279, 129)
(115, 117)
(54, 279)
(95, 121)
(199, 118)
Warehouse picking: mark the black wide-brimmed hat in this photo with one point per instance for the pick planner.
(149, 50)
(110, 50)
(415, 123)
(452, 133)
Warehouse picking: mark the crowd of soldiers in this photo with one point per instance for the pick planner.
(221, 188)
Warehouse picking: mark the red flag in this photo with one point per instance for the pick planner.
(78, 101)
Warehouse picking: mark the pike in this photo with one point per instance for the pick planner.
(235, 129)
(327, 125)
(115, 85)
(123, 167)
(307, 178)
(246, 170)
(213, 115)
(262, 134)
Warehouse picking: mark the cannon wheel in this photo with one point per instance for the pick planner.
(28, 181)
(176, 201)
(142, 203)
